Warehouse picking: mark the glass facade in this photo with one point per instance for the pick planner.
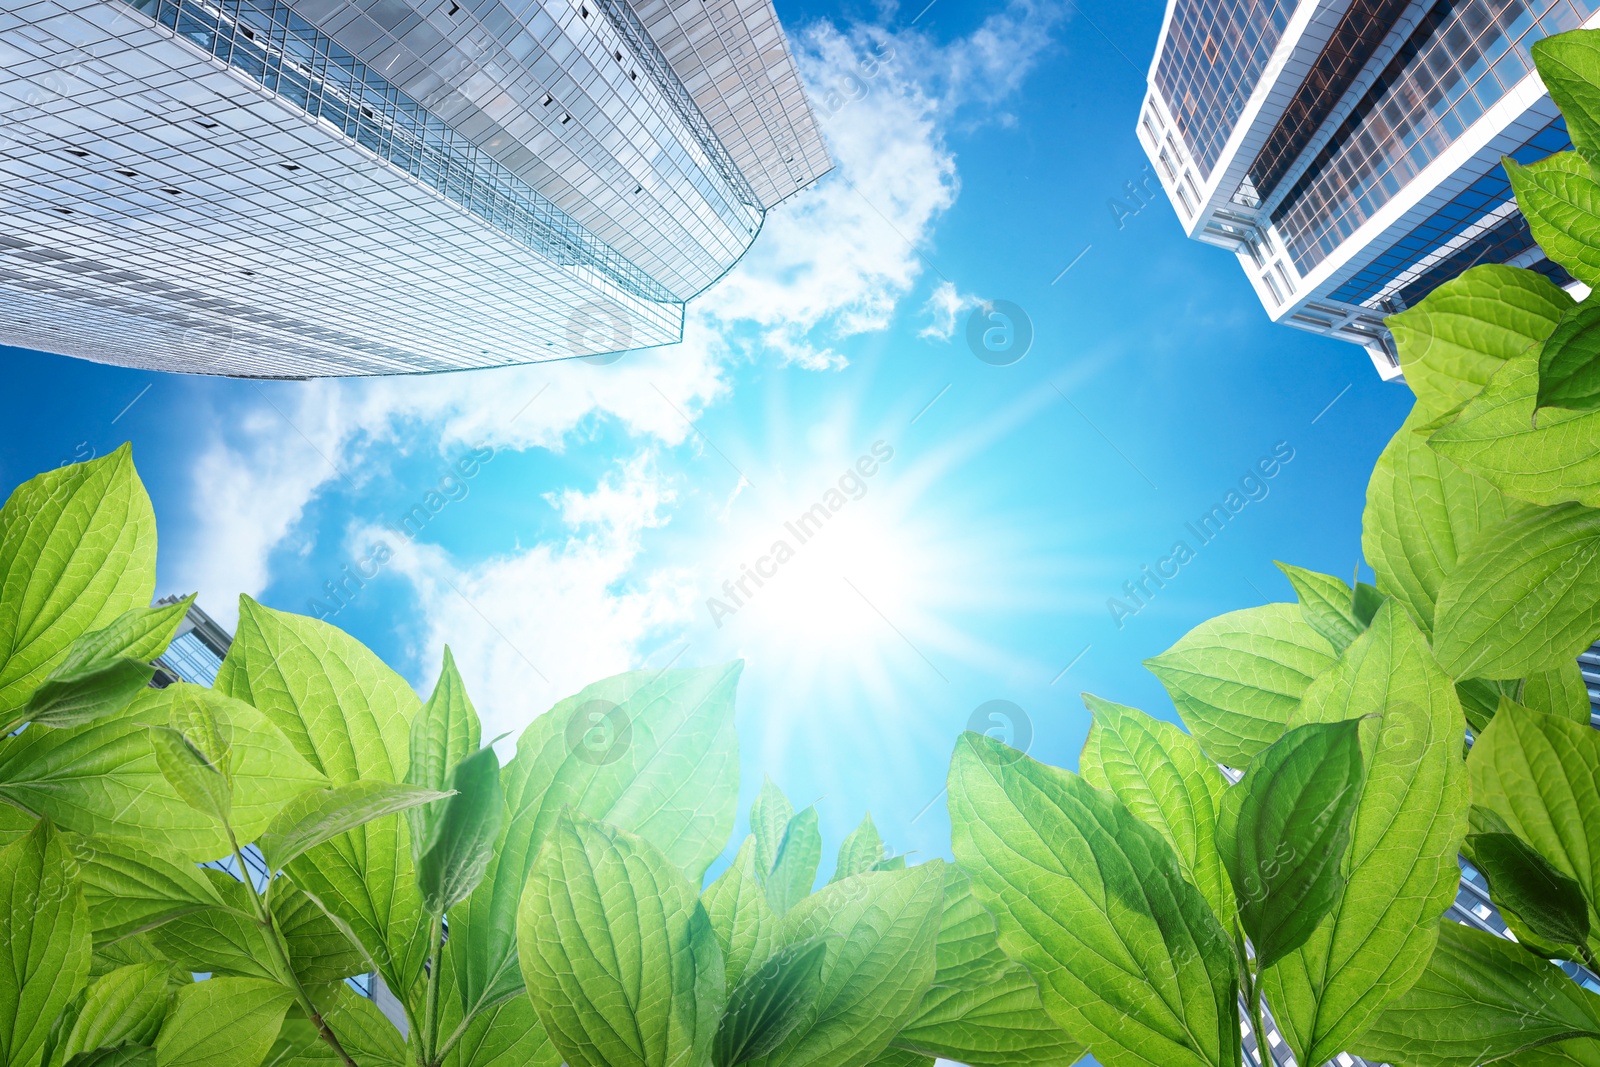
(1499, 240)
(1461, 60)
(1362, 28)
(1211, 59)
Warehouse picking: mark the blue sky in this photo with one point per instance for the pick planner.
(977, 163)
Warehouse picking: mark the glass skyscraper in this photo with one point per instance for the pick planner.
(294, 188)
(1348, 151)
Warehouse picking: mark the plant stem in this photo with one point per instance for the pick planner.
(1252, 994)
(281, 955)
(430, 1010)
(1589, 960)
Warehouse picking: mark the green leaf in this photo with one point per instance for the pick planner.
(220, 940)
(1480, 999)
(44, 942)
(1495, 438)
(223, 1022)
(740, 915)
(1548, 902)
(1560, 691)
(671, 777)
(456, 854)
(1400, 868)
(609, 930)
(124, 1007)
(126, 1056)
(1569, 361)
(769, 820)
(983, 1009)
(1327, 603)
(362, 1030)
(77, 549)
(899, 1057)
(881, 931)
(130, 889)
(204, 786)
(508, 1035)
(350, 717)
(1164, 780)
(1561, 201)
(444, 733)
(1526, 598)
(1480, 698)
(862, 850)
(103, 670)
(1537, 773)
(770, 1003)
(1567, 66)
(795, 870)
(1237, 678)
(1453, 342)
(319, 815)
(1144, 973)
(1422, 511)
(1283, 830)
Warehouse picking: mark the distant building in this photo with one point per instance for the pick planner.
(294, 188)
(1348, 151)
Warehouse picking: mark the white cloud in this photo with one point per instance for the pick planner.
(944, 308)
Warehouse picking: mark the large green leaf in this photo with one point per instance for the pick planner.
(1548, 903)
(444, 732)
(617, 952)
(223, 1022)
(1537, 773)
(1494, 437)
(1284, 829)
(350, 717)
(1454, 341)
(882, 931)
(770, 1003)
(124, 1007)
(1422, 512)
(103, 670)
(456, 853)
(1568, 67)
(130, 888)
(1561, 201)
(77, 549)
(795, 870)
(1481, 999)
(1143, 973)
(222, 940)
(1237, 678)
(1162, 777)
(1526, 598)
(743, 921)
(44, 942)
(670, 776)
(1401, 863)
(319, 815)
(983, 1008)
(103, 778)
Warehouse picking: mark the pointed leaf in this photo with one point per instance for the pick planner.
(444, 733)
(461, 841)
(1162, 777)
(769, 819)
(881, 930)
(319, 815)
(1561, 201)
(1400, 868)
(1480, 999)
(1569, 361)
(223, 1022)
(1550, 903)
(1237, 678)
(795, 871)
(770, 1003)
(125, 1007)
(77, 549)
(1568, 69)
(862, 850)
(44, 940)
(1327, 604)
(1526, 598)
(1144, 974)
(983, 1009)
(740, 915)
(610, 931)
(671, 776)
(1560, 691)
(1283, 830)
(201, 784)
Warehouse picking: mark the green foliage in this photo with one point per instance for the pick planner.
(770, 1003)
(44, 942)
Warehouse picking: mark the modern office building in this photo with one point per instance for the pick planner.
(1348, 151)
(294, 188)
